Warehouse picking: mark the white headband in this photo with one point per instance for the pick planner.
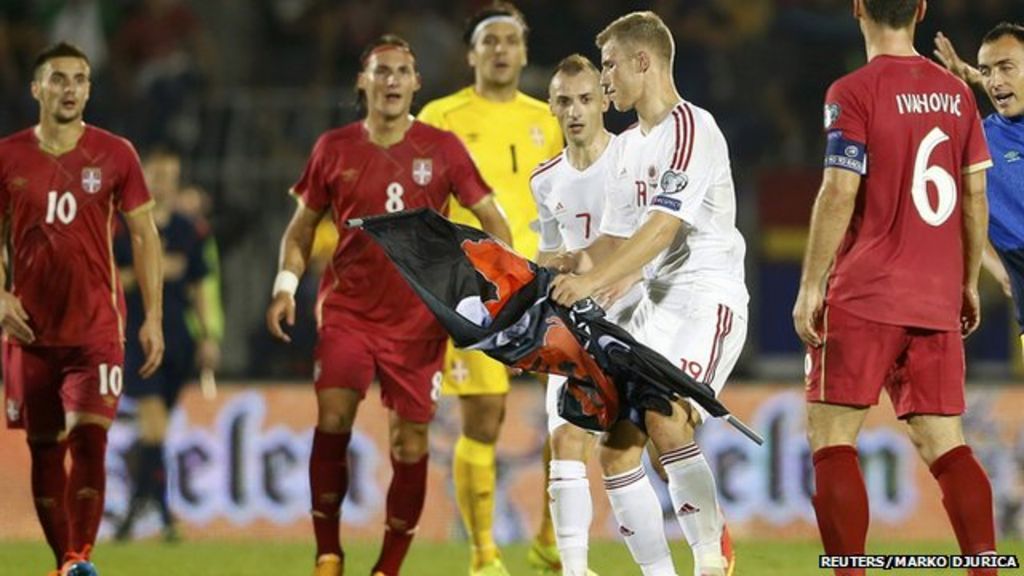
(491, 20)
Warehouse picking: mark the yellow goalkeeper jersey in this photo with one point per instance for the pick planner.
(507, 140)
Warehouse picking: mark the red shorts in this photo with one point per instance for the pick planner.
(409, 370)
(43, 383)
(922, 370)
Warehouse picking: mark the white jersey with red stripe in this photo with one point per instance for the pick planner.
(570, 202)
(681, 167)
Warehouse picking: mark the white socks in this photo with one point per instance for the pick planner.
(571, 512)
(695, 500)
(638, 513)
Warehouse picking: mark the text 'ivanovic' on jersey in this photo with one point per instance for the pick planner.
(929, 103)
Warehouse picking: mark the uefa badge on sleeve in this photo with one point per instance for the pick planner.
(673, 181)
(832, 111)
(422, 170)
(92, 180)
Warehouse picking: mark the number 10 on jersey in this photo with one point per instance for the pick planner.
(60, 206)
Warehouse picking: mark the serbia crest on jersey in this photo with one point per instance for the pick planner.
(912, 131)
(61, 212)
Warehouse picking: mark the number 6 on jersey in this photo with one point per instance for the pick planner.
(945, 185)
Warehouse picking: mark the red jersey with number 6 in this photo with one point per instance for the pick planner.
(354, 177)
(912, 130)
(60, 210)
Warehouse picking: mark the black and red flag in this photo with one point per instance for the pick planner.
(491, 299)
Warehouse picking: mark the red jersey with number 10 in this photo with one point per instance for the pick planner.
(61, 215)
(912, 130)
(361, 289)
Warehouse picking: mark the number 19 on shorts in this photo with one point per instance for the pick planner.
(111, 380)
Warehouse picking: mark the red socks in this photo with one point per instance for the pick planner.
(967, 496)
(48, 481)
(840, 503)
(405, 504)
(85, 487)
(328, 482)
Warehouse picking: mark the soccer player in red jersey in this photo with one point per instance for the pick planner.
(370, 321)
(63, 319)
(897, 231)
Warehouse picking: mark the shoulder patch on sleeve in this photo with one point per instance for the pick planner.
(832, 112)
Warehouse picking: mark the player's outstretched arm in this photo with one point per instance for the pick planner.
(975, 227)
(492, 220)
(946, 54)
(829, 220)
(296, 246)
(651, 239)
(147, 260)
(13, 317)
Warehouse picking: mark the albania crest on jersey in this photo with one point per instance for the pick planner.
(422, 170)
(92, 179)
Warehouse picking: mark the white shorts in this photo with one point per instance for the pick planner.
(702, 336)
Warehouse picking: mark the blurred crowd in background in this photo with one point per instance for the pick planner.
(241, 89)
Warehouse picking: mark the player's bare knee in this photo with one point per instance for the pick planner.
(409, 441)
(933, 436)
(482, 417)
(616, 461)
(831, 425)
(672, 431)
(570, 443)
(336, 410)
(333, 422)
(621, 449)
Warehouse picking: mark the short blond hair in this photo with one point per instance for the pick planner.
(641, 30)
(575, 64)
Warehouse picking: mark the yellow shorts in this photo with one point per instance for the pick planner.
(470, 372)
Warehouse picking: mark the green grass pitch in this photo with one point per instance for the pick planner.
(755, 558)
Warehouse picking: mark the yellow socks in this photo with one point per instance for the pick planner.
(474, 473)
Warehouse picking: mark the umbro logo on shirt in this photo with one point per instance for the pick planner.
(1012, 156)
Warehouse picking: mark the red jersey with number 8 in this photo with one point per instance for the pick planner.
(60, 210)
(912, 130)
(347, 173)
